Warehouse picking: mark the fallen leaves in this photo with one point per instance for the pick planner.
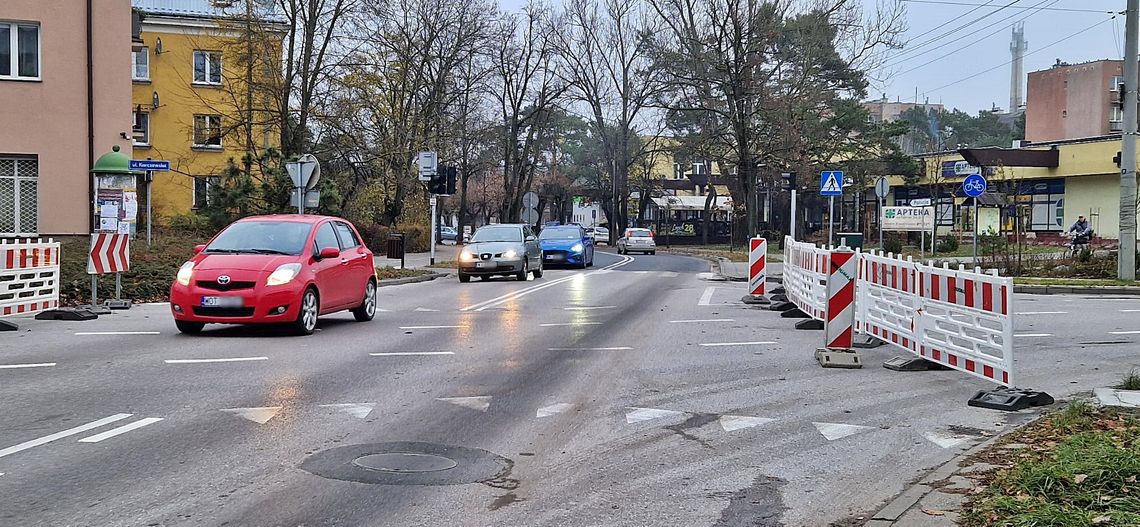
(1080, 478)
(933, 512)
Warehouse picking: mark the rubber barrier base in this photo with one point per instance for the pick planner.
(782, 306)
(1009, 399)
(779, 297)
(905, 363)
(8, 326)
(810, 323)
(755, 300)
(829, 358)
(779, 290)
(866, 342)
(98, 310)
(794, 313)
(71, 314)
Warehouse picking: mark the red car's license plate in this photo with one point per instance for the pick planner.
(221, 301)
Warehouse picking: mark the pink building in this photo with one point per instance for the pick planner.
(1070, 101)
(55, 121)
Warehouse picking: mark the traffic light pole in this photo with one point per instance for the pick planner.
(792, 225)
(1126, 269)
(431, 258)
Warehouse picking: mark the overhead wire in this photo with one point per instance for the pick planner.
(1065, 9)
(916, 47)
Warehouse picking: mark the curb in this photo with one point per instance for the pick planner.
(720, 265)
(1076, 289)
(410, 280)
(894, 509)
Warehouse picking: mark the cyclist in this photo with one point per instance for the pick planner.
(1082, 232)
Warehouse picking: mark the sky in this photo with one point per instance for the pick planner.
(961, 80)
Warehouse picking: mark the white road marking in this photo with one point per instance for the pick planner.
(203, 361)
(755, 343)
(613, 348)
(88, 333)
(537, 287)
(707, 296)
(737, 422)
(833, 431)
(553, 325)
(701, 320)
(382, 310)
(1130, 310)
(480, 402)
(1033, 334)
(36, 365)
(60, 435)
(426, 310)
(947, 440)
(358, 410)
(641, 272)
(635, 414)
(547, 411)
(1043, 313)
(587, 308)
(257, 415)
(1124, 332)
(669, 274)
(120, 430)
(409, 353)
(432, 327)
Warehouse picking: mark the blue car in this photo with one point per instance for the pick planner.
(567, 245)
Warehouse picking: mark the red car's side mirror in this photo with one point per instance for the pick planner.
(328, 252)
(199, 248)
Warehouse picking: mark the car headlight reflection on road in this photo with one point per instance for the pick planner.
(185, 273)
(577, 248)
(510, 254)
(467, 256)
(284, 274)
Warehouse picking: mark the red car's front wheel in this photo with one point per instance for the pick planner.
(306, 322)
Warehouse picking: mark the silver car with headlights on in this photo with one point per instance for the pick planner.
(504, 250)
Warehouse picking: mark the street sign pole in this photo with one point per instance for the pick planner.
(830, 218)
(879, 219)
(831, 185)
(975, 259)
(431, 258)
(149, 208)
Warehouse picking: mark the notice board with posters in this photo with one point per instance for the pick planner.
(116, 204)
(908, 218)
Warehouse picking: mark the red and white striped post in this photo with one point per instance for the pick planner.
(840, 318)
(757, 271)
(110, 253)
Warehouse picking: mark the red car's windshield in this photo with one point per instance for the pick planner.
(261, 237)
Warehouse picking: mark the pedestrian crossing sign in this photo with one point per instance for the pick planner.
(831, 183)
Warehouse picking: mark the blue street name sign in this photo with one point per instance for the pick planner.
(974, 185)
(147, 164)
(831, 183)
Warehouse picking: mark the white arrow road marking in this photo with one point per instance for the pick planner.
(257, 415)
(426, 310)
(203, 361)
(547, 411)
(358, 410)
(753, 343)
(36, 365)
(83, 333)
(947, 439)
(60, 435)
(833, 431)
(120, 430)
(431, 327)
(480, 403)
(706, 297)
(408, 353)
(737, 422)
(635, 414)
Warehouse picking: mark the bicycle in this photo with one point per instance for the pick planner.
(1078, 244)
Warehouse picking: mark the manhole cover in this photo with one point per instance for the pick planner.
(405, 462)
(408, 463)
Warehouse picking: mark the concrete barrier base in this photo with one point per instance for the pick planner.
(755, 300)
(829, 358)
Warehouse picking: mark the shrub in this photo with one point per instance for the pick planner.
(416, 237)
(948, 244)
(893, 245)
(191, 223)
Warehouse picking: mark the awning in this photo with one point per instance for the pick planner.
(687, 203)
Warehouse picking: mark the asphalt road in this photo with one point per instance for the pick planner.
(638, 392)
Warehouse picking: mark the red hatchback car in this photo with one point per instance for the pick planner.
(276, 269)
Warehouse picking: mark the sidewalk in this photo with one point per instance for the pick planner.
(738, 271)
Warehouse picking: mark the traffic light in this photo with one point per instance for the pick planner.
(437, 184)
(1116, 159)
(452, 175)
(789, 180)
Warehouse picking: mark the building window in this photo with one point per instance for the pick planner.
(1116, 114)
(1047, 212)
(19, 201)
(140, 65)
(207, 67)
(141, 128)
(203, 185)
(1117, 82)
(19, 51)
(208, 131)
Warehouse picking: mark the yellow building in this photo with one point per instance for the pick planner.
(190, 98)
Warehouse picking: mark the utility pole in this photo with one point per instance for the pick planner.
(1126, 269)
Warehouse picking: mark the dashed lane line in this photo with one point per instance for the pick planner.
(701, 320)
(120, 430)
(1028, 335)
(204, 361)
(612, 348)
(754, 343)
(1132, 332)
(706, 297)
(433, 327)
(117, 333)
(410, 353)
(17, 366)
(60, 435)
(1043, 313)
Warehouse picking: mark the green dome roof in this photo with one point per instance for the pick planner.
(113, 162)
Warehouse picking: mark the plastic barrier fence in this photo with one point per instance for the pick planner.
(805, 277)
(29, 276)
(958, 318)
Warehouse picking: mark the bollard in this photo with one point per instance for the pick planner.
(757, 272)
(840, 320)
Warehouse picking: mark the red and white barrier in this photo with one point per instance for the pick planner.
(757, 263)
(838, 328)
(110, 253)
(962, 319)
(29, 276)
(805, 277)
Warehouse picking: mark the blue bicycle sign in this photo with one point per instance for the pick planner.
(974, 185)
